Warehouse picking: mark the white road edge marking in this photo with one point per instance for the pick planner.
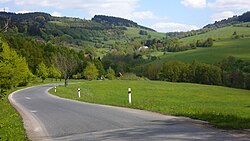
(27, 98)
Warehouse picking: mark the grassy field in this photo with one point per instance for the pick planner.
(221, 106)
(221, 33)
(239, 48)
(134, 32)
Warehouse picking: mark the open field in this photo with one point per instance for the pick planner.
(221, 106)
(221, 33)
(134, 32)
(239, 48)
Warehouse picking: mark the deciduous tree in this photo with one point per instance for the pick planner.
(42, 71)
(54, 72)
(90, 72)
(66, 63)
(14, 70)
(110, 74)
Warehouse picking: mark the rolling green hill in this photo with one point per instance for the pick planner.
(220, 33)
(239, 48)
(225, 44)
(134, 32)
(100, 31)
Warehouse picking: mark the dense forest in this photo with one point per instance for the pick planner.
(62, 31)
(117, 22)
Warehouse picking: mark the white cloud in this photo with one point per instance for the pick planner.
(222, 15)
(194, 3)
(172, 27)
(226, 5)
(5, 1)
(118, 8)
(144, 15)
(56, 14)
(121, 8)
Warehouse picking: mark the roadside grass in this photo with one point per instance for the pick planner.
(222, 107)
(11, 124)
(239, 48)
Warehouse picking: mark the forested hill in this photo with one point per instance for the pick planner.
(101, 31)
(230, 21)
(117, 21)
(235, 21)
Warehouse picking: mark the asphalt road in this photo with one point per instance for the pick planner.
(48, 117)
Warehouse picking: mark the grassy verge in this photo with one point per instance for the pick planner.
(222, 107)
(11, 125)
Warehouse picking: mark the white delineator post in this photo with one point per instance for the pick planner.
(129, 95)
(55, 89)
(79, 93)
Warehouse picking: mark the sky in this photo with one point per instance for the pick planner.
(161, 15)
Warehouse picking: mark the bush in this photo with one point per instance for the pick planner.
(130, 76)
(110, 74)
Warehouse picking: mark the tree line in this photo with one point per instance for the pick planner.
(24, 58)
(229, 72)
(176, 45)
(14, 69)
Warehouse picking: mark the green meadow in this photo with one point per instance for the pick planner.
(238, 48)
(220, 106)
(134, 32)
(220, 33)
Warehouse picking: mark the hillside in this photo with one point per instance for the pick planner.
(101, 31)
(222, 33)
(133, 33)
(233, 21)
(238, 48)
(231, 38)
(115, 21)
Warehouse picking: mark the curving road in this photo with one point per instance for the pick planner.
(48, 117)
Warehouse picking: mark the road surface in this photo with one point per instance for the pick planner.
(47, 117)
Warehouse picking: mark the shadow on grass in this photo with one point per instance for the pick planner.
(2, 93)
